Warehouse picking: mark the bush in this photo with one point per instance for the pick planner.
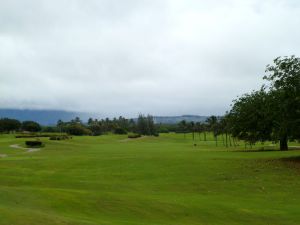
(78, 130)
(134, 136)
(163, 130)
(59, 138)
(156, 134)
(33, 143)
(49, 129)
(33, 136)
(96, 129)
(26, 136)
(120, 130)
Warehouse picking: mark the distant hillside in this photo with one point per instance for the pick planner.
(50, 117)
(177, 119)
(44, 117)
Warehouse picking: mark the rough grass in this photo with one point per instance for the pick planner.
(148, 181)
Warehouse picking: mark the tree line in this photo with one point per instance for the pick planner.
(8, 125)
(143, 125)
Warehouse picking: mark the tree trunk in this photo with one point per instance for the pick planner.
(284, 143)
(223, 139)
(234, 142)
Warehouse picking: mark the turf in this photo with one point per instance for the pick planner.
(148, 181)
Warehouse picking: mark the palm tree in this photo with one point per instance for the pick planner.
(183, 127)
(213, 125)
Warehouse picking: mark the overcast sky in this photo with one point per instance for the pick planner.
(117, 57)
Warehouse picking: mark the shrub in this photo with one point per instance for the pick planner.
(134, 136)
(120, 130)
(78, 130)
(34, 143)
(96, 129)
(25, 136)
(33, 136)
(156, 134)
(50, 129)
(61, 137)
(163, 130)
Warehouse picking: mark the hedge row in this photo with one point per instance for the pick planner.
(34, 143)
(59, 138)
(34, 135)
(134, 136)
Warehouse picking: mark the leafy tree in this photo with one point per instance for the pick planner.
(213, 125)
(142, 125)
(192, 128)
(250, 117)
(49, 129)
(151, 126)
(284, 88)
(77, 129)
(162, 128)
(198, 129)
(224, 125)
(31, 126)
(145, 125)
(120, 130)
(131, 125)
(90, 121)
(272, 113)
(8, 125)
(183, 127)
(60, 125)
(96, 128)
(204, 129)
(77, 120)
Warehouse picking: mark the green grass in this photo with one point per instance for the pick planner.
(148, 181)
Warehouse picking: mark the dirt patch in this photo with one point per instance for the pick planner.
(294, 147)
(3, 155)
(295, 159)
(132, 139)
(291, 162)
(28, 149)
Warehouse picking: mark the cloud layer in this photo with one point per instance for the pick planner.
(124, 57)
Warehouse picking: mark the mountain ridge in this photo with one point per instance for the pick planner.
(50, 117)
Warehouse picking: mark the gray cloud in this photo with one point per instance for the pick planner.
(124, 57)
